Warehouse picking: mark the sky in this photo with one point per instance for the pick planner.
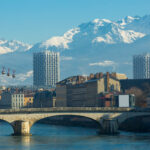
(33, 21)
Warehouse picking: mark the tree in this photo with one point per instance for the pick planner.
(140, 95)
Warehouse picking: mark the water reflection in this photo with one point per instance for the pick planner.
(71, 138)
(25, 140)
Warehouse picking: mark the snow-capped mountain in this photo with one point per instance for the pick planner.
(139, 24)
(12, 46)
(98, 45)
(126, 30)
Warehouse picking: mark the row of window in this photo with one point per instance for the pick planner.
(17, 95)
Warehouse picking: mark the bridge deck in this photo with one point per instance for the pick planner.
(71, 109)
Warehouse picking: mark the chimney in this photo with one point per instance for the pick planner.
(113, 74)
(88, 77)
(101, 74)
(78, 79)
(97, 75)
(91, 76)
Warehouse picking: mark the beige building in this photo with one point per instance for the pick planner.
(74, 92)
(119, 76)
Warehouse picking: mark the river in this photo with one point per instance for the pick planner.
(51, 137)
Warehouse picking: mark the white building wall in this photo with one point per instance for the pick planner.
(17, 101)
(124, 101)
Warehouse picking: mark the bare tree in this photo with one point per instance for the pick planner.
(140, 95)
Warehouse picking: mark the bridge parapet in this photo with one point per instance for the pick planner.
(66, 109)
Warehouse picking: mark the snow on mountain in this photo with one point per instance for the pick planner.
(127, 20)
(110, 32)
(60, 41)
(13, 46)
(96, 31)
(97, 46)
(117, 35)
(139, 24)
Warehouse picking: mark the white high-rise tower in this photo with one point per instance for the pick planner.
(46, 68)
(141, 66)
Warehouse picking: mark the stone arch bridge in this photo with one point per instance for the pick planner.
(109, 119)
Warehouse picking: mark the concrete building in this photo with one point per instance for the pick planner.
(74, 92)
(61, 88)
(44, 99)
(141, 66)
(46, 69)
(106, 99)
(12, 100)
(17, 100)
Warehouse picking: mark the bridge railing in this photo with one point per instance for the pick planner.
(67, 109)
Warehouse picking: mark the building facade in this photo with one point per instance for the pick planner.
(46, 69)
(12, 100)
(80, 91)
(44, 99)
(141, 66)
(28, 100)
(17, 100)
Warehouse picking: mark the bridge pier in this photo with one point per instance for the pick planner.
(21, 128)
(109, 126)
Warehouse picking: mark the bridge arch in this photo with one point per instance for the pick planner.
(8, 123)
(68, 115)
(5, 119)
(136, 123)
(124, 116)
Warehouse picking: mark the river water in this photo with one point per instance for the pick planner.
(51, 137)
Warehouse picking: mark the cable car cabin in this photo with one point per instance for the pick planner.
(3, 71)
(8, 74)
(13, 76)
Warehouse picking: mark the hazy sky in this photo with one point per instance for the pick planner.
(33, 21)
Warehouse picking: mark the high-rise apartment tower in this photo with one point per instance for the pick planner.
(141, 66)
(46, 69)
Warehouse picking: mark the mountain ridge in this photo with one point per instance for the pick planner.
(97, 46)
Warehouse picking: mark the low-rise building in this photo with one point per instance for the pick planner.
(74, 92)
(116, 100)
(28, 100)
(12, 100)
(44, 99)
(105, 99)
(124, 100)
(17, 100)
